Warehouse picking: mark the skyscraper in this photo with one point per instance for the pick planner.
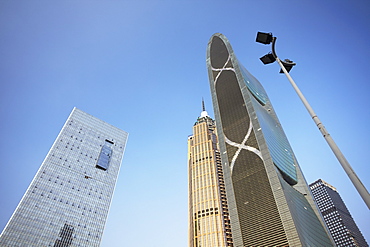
(341, 225)
(209, 222)
(269, 201)
(68, 200)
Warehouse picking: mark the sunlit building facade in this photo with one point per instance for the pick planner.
(338, 219)
(209, 222)
(68, 200)
(269, 201)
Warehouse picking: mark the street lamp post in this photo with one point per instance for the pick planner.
(286, 66)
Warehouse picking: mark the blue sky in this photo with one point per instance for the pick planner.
(140, 65)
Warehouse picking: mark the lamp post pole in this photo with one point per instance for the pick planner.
(342, 160)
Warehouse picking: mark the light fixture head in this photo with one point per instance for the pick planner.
(264, 38)
(268, 58)
(288, 65)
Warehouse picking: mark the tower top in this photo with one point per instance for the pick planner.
(204, 113)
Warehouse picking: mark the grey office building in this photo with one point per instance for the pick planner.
(68, 200)
(269, 201)
(341, 225)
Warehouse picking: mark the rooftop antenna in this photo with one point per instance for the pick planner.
(204, 112)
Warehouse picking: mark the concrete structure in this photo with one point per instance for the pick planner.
(269, 201)
(68, 200)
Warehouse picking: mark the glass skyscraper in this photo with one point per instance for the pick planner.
(268, 198)
(209, 222)
(68, 200)
(342, 227)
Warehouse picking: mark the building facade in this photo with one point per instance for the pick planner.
(68, 200)
(269, 201)
(209, 222)
(338, 219)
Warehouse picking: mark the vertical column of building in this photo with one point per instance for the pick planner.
(224, 205)
(209, 223)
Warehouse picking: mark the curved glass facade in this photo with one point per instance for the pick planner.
(280, 150)
(253, 85)
(278, 145)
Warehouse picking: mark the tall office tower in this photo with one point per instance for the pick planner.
(209, 223)
(269, 201)
(342, 227)
(68, 200)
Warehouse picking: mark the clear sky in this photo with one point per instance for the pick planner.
(140, 65)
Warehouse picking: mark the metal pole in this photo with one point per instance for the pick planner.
(342, 160)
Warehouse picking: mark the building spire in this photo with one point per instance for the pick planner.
(204, 113)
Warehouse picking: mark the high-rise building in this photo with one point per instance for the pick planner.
(268, 198)
(341, 225)
(209, 222)
(68, 200)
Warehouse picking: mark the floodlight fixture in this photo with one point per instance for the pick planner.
(267, 38)
(288, 65)
(264, 38)
(268, 58)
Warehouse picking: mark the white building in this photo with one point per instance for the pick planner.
(68, 200)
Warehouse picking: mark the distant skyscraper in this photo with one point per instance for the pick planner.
(341, 225)
(209, 223)
(269, 201)
(68, 200)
